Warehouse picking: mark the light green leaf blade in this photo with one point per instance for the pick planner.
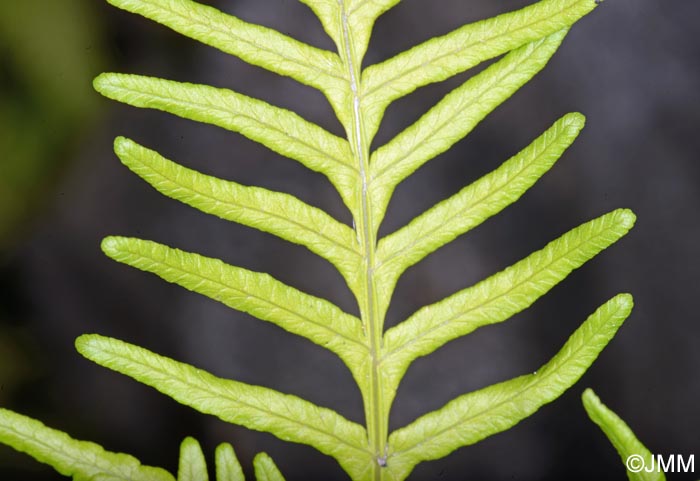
(621, 437)
(475, 203)
(442, 57)
(502, 295)
(83, 460)
(287, 417)
(274, 212)
(255, 293)
(497, 298)
(455, 116)
(475, 416)
(255, 44)
(265, 469)
(227, 466)
(278, 129)
(192, 465)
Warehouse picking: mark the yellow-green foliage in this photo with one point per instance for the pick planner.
(371, 266)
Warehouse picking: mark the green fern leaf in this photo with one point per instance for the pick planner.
(371, 266)
(455, 116)
(621, 437)
(474, 416)
(273, 212)
(265, 469)
(278, 129)
(192, 465)
(287, 417)
(255, 44)
(227, 466)
(252, 292)
(84, 461)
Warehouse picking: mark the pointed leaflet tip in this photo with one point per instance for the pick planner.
(227, 466)
(84, 344)
(192, 465)
(97, 82)
(122, 145)
(575, 118)
(265, 468)
(625, 302)
(627, 218)
(104, 83)
(110, 245)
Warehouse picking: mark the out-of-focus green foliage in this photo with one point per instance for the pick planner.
(48, 49)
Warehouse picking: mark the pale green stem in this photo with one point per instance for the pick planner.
(376, 413)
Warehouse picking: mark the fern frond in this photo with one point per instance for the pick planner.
(265, 469)
(278, 129)
(87, 461)
(528, 37)
(227, 466)
(192, 465)
(83, 460)
(475, 416)
(255, 293)
(365, 180)
(255, 44)
(274, 212)
(621, 437)
(455, 116)
(442, 57)
(287, 417)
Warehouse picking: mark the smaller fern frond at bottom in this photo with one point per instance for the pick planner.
(82, 460)
(265, 468)
(87, 461)
(621, 437)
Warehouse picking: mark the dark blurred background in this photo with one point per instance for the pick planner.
(632, 67)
